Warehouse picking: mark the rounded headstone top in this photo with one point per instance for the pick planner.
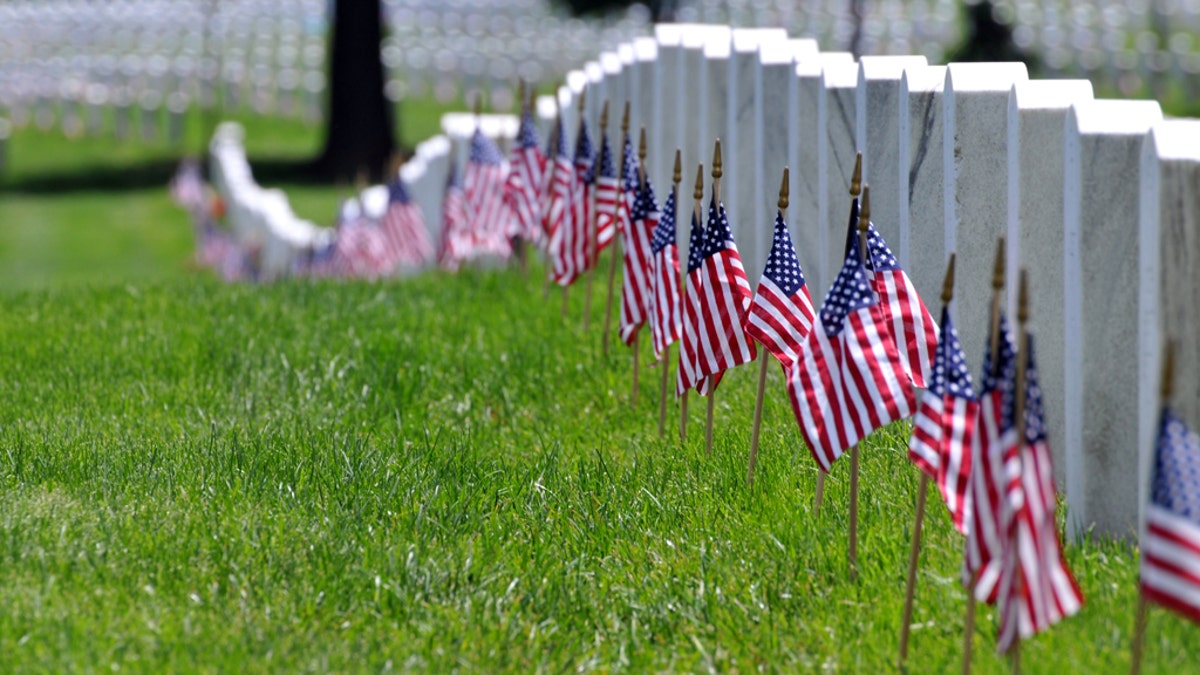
(888, 67)
(697, 35)
(774, 53)
(434, 146)
(997, 76)
(813, 67)
(1049, 94)
(645, 49)
(1112, 117)
(593, 71)
(625, 53)
(1176, 139)
(669, 34)
(718, 46)
(413, 170)
(576, 81)
(840, 76)
(546, 109)
(804, 47)
(610, 63)
(748, 40)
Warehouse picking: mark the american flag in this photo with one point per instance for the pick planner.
(456, 234)
(724, 300)
(664, 281)
(361, 248)
(781, 315)
(1036, 584)
(944, 426)
(689, 348)
(483, 187)
(187, 186)
(214, 245)
(637, 255)
(848, 380)
(1170, 573)
(403, 228)
(572, 258)
(556, 201)
(608, 187)
(525, 178)
(995, 440)
(909, 323)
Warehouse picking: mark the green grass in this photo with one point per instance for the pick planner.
(441, 474)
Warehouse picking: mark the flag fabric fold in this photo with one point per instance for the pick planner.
(456, 243)
(607, 186)
(724, 300)
(781, 315)
(848, 380)
(945, 424)
(403, 226)
(522, 189)
(573, 256)
(556, 200)
(483, 189)
(636, 265)
(665, 321)
(689, 347)
(1037, 586)
(1170, 545)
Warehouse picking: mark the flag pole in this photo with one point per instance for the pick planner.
(518, 244)
(579, 129)
(919, 519)
(855, 191)
(612, 265)
(1019, 415)
(864, 220)
(592, 244)
(1143, 607)
(762, 357)
(546, 188)
(994, 346)
(712, 395)
(697, 204)
(637, 331)
(666, 359)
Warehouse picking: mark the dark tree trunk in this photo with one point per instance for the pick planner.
(359, 133)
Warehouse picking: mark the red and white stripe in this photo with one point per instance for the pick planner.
(404, 233)
(780, 322)
(636, 267)
(724, 299)
(456, 237)
(1170, 560)
(607, 189)
(990, 453)
(522, 191)
(909, 323)
(942, 439)
(487, 214)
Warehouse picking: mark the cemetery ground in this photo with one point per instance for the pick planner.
(432, 473)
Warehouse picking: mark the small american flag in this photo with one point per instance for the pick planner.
(781, 315)
(848, 380)
(525, 179)
(1170, 559)
(556, 202)
(689, 349)
(361, 248)
(664, 281)
(995, 438)
(187, 186)
(403, 228)
(1036, 584)
(944, 426)
(456, 235)
(608, 188)
(573, 252)
(909, 323)
(724, 300)
(483, 187)
(637, 261)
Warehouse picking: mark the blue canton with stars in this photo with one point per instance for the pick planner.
(664, 232)
(881, 258)
(720, 237)
(397, 192)
(851, 291)
(483, 150)
(695, 245)
(645, 203)
(1003, 380)
(1177, 468)
(950, 372)
(852, 230)
(452, 178)
(783, 268)
(585, 156)
(607, 169)
(631, 167)
(527, 134)
(1035, 422)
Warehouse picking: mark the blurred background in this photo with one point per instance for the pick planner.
(100, 99)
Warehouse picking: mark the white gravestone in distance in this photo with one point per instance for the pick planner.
(975, 159)
(1169, 280)
(610, 64)
(624, 93)
(1037, 111)
(597, 93)
(805, 148)
(641, 79)
(741, 156)
(922, 245)
(878, 132)
(836, 164)
(666, 128)
(1102, 146)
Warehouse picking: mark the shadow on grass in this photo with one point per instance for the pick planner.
(153, 173)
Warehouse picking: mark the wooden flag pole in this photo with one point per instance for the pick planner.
(994, 345)
(546, 188)
(579, 128)
(518, 243)
(855, 191)
(1143, 607)
(864, 219)
(666, 359)
(612, 264)
(594, 228)
(697, 204)
(638, 331)
(712, 395)
(1019, 416)
(919, 519)
(762, 357)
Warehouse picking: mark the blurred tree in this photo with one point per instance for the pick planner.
(359, 133)
(989, 39)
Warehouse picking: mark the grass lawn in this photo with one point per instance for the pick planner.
(441, 473)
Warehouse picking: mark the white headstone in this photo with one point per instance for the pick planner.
(836, 165)
(641, 83)
(1103, 141)
(666, 131)
(922, 246)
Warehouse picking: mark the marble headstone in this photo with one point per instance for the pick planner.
(775, 92)
(1037, 111)
(666, 130)
(610, 63)
(975, 159)
(623, 92)
(641, 83)
(921, 248)
(877, 127)
(1101, 162)
(597, 93)
(836, 163)
(1169, 273)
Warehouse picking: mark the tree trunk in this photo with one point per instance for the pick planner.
(359, 133)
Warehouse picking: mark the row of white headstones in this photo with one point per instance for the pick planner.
(1094, 198)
